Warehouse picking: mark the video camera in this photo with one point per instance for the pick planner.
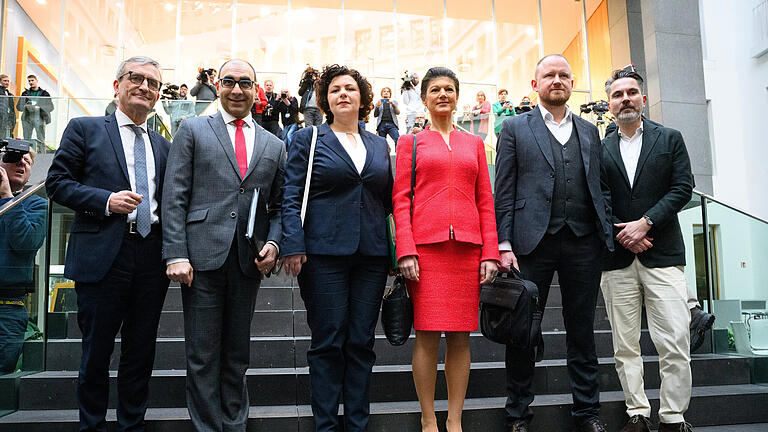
(13, 149)
(171, 91)
(407, 81)
(205, 74)
(599, 108)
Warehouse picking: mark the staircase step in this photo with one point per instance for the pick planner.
(711, 405)
(279, 351)
(283, 386)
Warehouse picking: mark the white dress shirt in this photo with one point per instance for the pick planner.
(248, 131)
(357, 154)
(127, 137)
(630, 152)
(562, 131)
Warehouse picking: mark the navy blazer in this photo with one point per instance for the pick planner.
(346, 211)
(525, 180)
(88, 166)
(662, 186)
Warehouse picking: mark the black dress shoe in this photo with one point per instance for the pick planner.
(591, 425)
(637, 423)
(701, 322)
(675, 427)
(518, 426)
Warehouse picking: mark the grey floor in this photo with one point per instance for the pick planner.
(756, 427)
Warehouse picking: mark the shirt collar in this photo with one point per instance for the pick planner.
(638, 133)
(547, 116)
(229, 118)
(123, 120)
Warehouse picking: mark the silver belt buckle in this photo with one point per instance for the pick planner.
(132, 228)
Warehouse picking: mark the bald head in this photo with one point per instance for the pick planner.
(237, 62)
(550, 59)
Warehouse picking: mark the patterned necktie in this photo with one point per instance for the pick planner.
(143, 217)
(240, 152)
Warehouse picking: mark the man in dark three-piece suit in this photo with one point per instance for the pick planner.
(551, 216)
(110, 170)
(647, 173)
(216, 165)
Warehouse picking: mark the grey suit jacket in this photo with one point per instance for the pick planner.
(205, 200)
(525, 180)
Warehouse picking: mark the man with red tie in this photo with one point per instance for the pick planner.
(216, 165)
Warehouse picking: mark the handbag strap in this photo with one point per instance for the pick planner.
(309, 174)
(413, 174)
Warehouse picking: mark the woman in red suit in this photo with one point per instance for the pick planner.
(446, 245)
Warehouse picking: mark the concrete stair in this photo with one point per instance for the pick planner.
(279, 383)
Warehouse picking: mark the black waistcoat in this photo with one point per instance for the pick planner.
(571, 202)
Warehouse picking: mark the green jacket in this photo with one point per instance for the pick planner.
(501, 114)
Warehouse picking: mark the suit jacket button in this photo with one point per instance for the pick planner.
(242, 190)
(233, 215)
(552, 175)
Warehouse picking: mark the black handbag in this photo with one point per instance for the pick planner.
(510, 312)
(396, 307)
(397, 312)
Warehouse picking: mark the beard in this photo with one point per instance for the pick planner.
(629, 116)
(555, 100)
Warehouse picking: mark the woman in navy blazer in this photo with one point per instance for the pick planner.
(340, 252)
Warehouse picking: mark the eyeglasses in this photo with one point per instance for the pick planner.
(138, 79)
(245, 84)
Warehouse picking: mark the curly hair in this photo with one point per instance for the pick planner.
(324, 81)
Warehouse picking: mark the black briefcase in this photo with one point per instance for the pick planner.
(510, 312)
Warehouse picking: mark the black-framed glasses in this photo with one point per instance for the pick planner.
(245, 84)
(137, 79)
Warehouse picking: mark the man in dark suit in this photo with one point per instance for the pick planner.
(551, 216)
(35, 105)
(110, 170)
(647, 173)
(215, 167)
(7, 108)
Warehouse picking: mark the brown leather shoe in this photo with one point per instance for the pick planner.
(637, 423)
(675, 427)
(518, 426)
(591, 425)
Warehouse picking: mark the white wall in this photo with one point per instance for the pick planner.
(737, 88)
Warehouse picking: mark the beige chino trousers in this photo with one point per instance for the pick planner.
(665, 294)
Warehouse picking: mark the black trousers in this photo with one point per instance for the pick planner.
(273, 127)
(342, 295)
(129, 299)
(577, 261)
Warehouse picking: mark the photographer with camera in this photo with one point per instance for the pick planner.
(7, 110)
(36, 106)
(176, 105)
(411, 92)
(288, 107)
(525, 105)
(386, 112)
(312, 114)
(22, 232)
(502, 110)
(205, 89)
(270, 117)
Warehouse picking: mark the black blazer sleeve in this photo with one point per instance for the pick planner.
(680, 183)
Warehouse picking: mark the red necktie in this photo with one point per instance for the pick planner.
(240, 152)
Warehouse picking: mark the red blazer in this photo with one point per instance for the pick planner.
(453, 191)
(259, 107)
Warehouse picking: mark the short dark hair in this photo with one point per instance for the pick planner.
(434, 73)
(324, 81)
(623, 73)
(183, 85)
(31, 76)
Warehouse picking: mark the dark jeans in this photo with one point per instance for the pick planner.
(129, 298)
(389, 129)
(577, 262)
(342, 295)
(37, 125)
(313, 116)
(13, 324)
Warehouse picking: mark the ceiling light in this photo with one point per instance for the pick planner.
(84, 60)
(42, 2)
(66, 34)
(529, 30)
(169, 7)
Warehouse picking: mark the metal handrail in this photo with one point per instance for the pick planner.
(21, 197)
(734, 208)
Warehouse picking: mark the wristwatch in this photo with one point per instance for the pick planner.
(648, 220)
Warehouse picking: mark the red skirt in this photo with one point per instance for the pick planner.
(446, 298)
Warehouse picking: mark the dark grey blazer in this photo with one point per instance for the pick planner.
(205, 199)
(661, 188)
(525, 179)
